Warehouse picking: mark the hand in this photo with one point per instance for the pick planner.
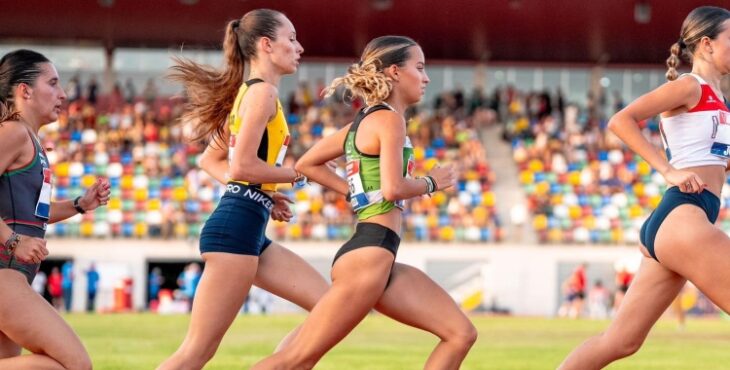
(96, 195)
(686, 181)
(31, 250)
(445, 177)
(281, 211)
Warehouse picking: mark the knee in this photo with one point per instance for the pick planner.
(623, 346)
(465, 336)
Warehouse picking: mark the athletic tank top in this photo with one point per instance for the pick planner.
(25, 195)
(274, 141)
(700, 136)
(363, 172)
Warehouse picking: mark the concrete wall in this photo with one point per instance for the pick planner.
(524, 280)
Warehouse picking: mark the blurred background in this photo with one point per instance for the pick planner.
(548, 202)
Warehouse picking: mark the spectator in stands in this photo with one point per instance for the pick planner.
(389, 77)
(623, 280)
(598, 301)
(67, 284)
(130, 91)
(233, 243)
(31, 96)
(92, 90)
(679, 240)
(155, 283)
(92, 287)
(150, 92)
(55, 283)
(188, 281)
(73, 89)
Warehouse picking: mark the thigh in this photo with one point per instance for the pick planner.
(649, 295)
(696, 249)
(289, 276)
(414, 299)
(28, 320)
(223, 286)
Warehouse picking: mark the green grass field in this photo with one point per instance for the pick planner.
(141, 341)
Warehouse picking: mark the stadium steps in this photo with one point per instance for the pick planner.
(507, 189)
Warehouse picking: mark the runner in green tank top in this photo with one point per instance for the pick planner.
(363, 173)
(390, 77)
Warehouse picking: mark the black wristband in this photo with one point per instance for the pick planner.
(77, 206)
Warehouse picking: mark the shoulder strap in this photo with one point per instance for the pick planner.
(696, 76)
(253, 81)
(356, 123)
(364, 113)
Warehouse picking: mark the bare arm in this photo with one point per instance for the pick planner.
(96, 195)
(392, 137)
(258, 106)
(214, 161)
(313, 163)
(679, 95)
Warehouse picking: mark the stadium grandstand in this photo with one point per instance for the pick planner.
(518, 102)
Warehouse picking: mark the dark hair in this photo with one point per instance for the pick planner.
(366, 78)
(211, 92)
(700, 22)
(16, 67)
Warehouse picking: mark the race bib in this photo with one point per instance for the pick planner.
(282, 152)
(358, 197)
(721, 134)
(43, 208)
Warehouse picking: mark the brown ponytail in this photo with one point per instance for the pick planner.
(211, 92)
(705, 21)
(673, 61)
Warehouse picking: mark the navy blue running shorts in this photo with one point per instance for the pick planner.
(238, 224)
(673, 198)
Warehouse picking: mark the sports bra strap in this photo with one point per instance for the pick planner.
(696, 76)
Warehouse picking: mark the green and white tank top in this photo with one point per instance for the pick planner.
(363, 172)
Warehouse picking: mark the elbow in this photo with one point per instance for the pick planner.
(612, 124)
(301, 167)
(240, 172)
(615, 123)
(390, 193)
(204, 162)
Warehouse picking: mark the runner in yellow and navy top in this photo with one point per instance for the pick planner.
(248, 137)
(679, 239)
(31, 97)
(390, 77)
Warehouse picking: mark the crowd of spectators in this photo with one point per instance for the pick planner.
(583, 185)
(159, 192)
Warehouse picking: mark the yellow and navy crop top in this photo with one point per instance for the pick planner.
(274, 141)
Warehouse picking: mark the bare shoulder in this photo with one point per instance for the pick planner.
(13, 132)
(387, 119)
(262, 96)
(685, 85)
(263, 91)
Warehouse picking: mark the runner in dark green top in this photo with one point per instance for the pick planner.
(390, 77)
(31, 96)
